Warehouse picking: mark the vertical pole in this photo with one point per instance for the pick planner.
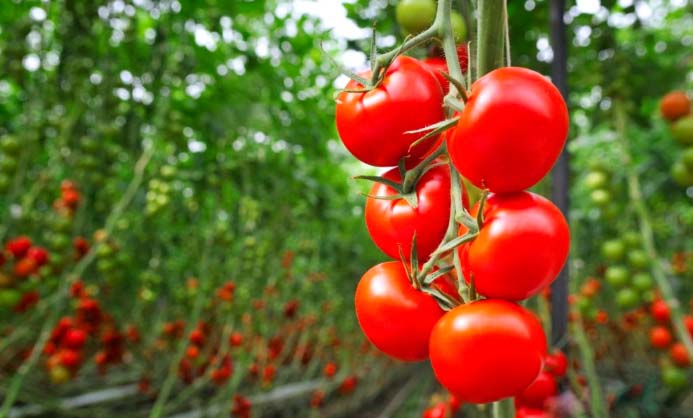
(561, 171)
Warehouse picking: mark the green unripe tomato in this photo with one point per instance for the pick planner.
(59, 241)
(415, 16)
(674, 378)
(642, 282)
(638, 259)
(105, 265)
(616, 276)
(584, 305)
(600, 197)
(613, 250)
(682, 130)
(687, 158)
(595, 180)
(627, 298)
(459, 28)
(61, 224)
(9, 145)
(649, 296)
(681, 174)
(632, 239)
(168, 172)
(9, 298)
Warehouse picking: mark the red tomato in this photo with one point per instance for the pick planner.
(395, 317)
(25, 267)
(531, 413)
(679, 355)
(75, 338)
(660, 337)
(511, 131)
(372, 125)
(392, 223)
(38, 254)
(537, 393)
(19, 246)
(520, 249)
(487, 350)
(660, 311)
(70, 359)
(688, 322)
(437, 411)
(556, 363)
(438, 64)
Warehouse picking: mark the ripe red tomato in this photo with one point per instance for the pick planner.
(520, 249)
(392, 223)
(38, 254)
(556, 363)
(531, 413)
(438, 64)
(688, 322)
(537, 393)
(679, 355)
(75, 338)
(511, 131)
(660, 337)
(487, 350)
(372, 125)
(660, 311)
(395, 317)
(437, 411)
(19, 246)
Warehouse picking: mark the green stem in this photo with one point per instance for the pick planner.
(598, 407)
(449, 46)
(412, 176)
(645, 225)
(490, 36)
(503, 409)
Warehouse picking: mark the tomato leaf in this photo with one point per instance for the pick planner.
(378, 179)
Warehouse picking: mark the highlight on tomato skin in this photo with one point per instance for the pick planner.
(373, 125)
(487, 350)
(511, 131)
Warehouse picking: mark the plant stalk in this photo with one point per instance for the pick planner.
(645, 225)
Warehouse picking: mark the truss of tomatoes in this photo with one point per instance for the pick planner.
(510, 133)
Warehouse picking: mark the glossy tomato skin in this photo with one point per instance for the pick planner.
(487, 350)
(538, 392)
(438, 64)
(392, 223)
(395, 317)
(531, 413)
(520, 249)
(373, 124)
(511, 131)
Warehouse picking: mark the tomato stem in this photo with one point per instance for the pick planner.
(503, 409)
(490, 36)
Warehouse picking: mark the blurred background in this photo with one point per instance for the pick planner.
(182, 236)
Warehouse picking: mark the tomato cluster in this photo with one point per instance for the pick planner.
(511, 245)
(675, 108)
